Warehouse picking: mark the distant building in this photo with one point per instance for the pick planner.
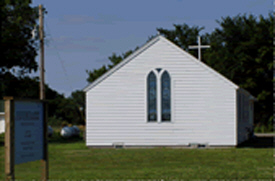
(163, 96)
(2, 117)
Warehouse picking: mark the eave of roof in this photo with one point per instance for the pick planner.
(207, 67)
(122, 63)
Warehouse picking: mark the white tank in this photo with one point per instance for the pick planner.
(76, 130)
(66, 132)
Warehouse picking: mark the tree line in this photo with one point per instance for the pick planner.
(241, 50)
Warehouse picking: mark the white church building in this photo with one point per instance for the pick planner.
(162, 96)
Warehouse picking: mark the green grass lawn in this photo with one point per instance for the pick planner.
(74, 161)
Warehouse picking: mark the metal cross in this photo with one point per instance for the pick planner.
(199, 47)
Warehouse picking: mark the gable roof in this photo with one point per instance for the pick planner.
(145, 47)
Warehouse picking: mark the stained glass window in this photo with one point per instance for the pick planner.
(165, 97)
(152, 96)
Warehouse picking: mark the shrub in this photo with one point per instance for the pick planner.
(64, 123)
(54, 121)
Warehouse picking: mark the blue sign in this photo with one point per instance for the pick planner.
(28, 131)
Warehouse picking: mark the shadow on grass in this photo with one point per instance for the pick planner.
(55, 139)
(2, 138)
(258, 142)
(59, 140)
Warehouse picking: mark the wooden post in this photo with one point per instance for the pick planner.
(41, 67)
(44, 161)
(9, 138)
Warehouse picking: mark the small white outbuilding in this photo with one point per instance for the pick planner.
(2, 117)
(163, 96)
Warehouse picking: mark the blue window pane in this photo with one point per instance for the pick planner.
(165, 97)
(152, 96)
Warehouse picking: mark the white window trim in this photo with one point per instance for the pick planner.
(159, 95)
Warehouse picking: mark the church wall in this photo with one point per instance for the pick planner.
(203, 104)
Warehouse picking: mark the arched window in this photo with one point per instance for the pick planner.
(152, 96)
(165, 97)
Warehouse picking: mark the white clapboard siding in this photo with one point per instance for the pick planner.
(203, 104)
(2, 122)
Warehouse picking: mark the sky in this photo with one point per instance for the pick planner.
(81, 35)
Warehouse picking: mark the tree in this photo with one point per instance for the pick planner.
(96, 73)
(242, 51)
(26, 87)
(78, 98)
(18, 48)
(71, 109)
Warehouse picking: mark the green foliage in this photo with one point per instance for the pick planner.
(26, 87)
(18, 19)
(262, 129)
(78, 98)
(71, 109)
(93, 75)
(54, 121)
(242, 51)
(265, 128)
(59, 107)
(64, 123)
(2, 106)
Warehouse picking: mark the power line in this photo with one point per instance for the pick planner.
(62, 62)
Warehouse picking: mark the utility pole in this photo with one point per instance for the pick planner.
(41, 67)
(44, 160)
(199, 47)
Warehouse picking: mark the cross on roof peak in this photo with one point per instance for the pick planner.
(199, 47)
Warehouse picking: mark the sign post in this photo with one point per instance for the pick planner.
(45, 161)
(9, 139)
(26, 134)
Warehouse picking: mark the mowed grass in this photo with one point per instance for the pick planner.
(74, 161)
